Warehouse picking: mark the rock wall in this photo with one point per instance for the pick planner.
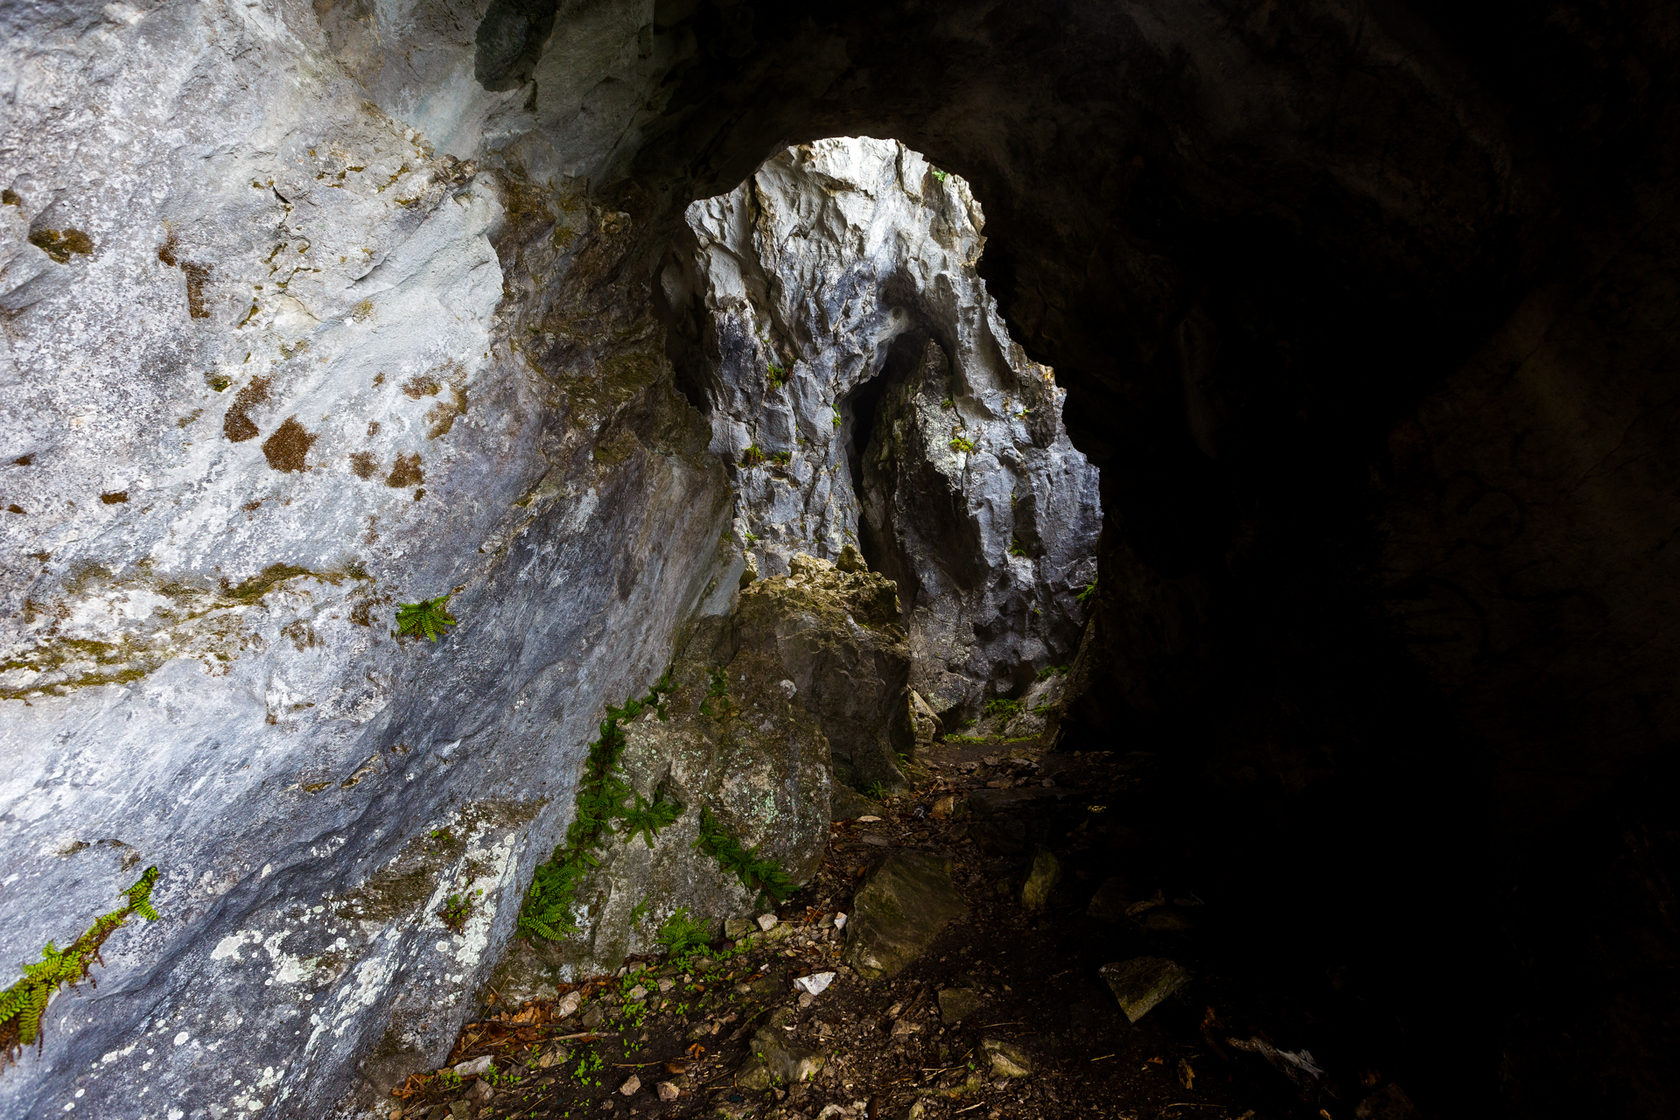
(286, 342)
(863, 391)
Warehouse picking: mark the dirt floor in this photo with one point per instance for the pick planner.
(1026, 1027)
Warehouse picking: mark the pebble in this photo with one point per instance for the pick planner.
(816, 983)
(1008, 1060)
(631, 1087)
(472, 1067)
(568, 1005)
(767, 922)
(668, 1091)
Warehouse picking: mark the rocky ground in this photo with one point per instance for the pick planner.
(962, 931)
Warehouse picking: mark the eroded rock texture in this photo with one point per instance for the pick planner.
(864, 391)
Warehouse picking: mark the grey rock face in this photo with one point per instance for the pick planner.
(863, 390)
(836, 637)
(273, 363)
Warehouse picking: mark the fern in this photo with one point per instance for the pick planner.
(602, 790)
(23, 1006)
(426, 618)
(755, 872)
(681, 934)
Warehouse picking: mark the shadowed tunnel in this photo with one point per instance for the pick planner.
(1365, 313)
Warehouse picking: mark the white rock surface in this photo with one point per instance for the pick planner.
(847, 268)
(278, 394)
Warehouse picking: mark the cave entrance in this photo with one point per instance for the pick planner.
(864, 393)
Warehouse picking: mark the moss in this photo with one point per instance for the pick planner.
(114, 497)
(405, 471)
(441, 416)
(423, 386)
(10, 197)
(237, 425)
(363, 465)
(196, 275)
(252, 590)
(288, 448)
(59, 244)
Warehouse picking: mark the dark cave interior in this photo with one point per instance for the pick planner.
(1366, 314)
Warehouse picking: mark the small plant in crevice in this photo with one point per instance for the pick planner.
(1000, 706)
(777, 375)
(1087, 593)
(1049, 671)
(962, 443)
(715, 704)
(24, 1004)
(939, 175)
(456, 909)
(1015, 547)
(781, 458)
(755, 872)
(648, 817)
(948, 404)
(547, 909)
(753, 456)
(427, 618)
(681, 935)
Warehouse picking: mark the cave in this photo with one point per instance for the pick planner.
(1363, 317)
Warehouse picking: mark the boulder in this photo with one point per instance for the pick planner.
(899, 911)
(1141, 983)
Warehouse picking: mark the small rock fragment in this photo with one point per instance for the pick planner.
(957, 1004)
(1141, 983)
(668, 1091)
(767, 922)
(1388, 1103)
(1109, 903)
(472, 1067)
(1046, 872)
(737, 928)
(568, 1005)
(901, 909)
(816, 983)
(1008, 1060)
(631, 1087)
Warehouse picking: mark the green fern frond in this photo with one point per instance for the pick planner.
(427, 618)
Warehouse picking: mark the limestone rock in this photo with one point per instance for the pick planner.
(1007, 1059)
(836, 635)
(1046, 873)
(899, 911)
(1141, 983)
(863, 391)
